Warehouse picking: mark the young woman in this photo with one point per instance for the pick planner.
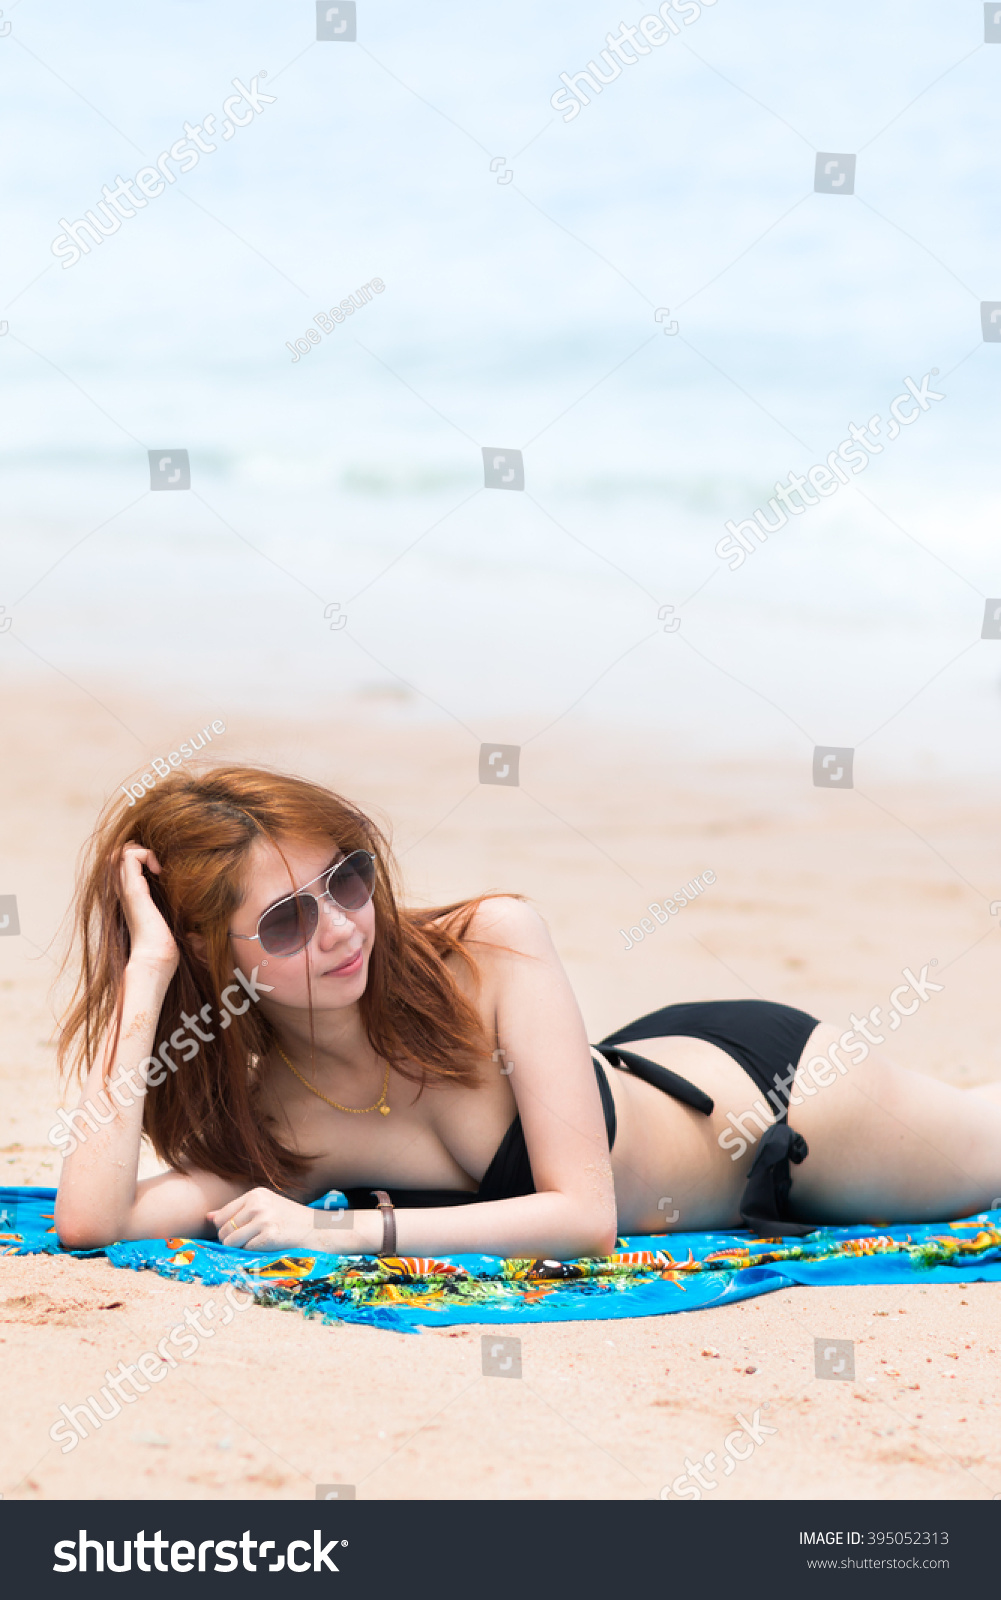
(255, 1000)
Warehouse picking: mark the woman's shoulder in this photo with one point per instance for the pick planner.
(502, 939)
(506, 922)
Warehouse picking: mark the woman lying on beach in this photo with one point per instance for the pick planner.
(255, 1000)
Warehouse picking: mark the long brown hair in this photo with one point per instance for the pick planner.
(201, 828)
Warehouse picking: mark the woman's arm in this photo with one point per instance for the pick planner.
(573, 1212)
(99, 1198)
(97, 1187)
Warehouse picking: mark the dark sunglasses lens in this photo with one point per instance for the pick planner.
(289, 926)
(352, 881)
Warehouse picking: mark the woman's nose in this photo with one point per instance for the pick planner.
(334, 911)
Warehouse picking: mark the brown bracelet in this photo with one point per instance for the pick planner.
(388, 1222)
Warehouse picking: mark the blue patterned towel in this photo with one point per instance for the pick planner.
(647, 1276)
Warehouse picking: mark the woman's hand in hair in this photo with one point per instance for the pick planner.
(263, 1220)
(153, 944)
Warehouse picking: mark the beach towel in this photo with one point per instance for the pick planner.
(645, 1277)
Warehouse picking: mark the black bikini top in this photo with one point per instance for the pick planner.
(510, 1172)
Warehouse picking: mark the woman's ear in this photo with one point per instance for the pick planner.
(198, 947)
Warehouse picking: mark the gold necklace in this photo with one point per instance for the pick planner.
(355, 1111)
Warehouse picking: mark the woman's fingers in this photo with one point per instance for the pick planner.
(141, 855)
(227, 1212)
(151, 937)
(232, 1229)
(133, 858)
(133, 884)
(242, 1237)
(260, 1220)
(244, 1211)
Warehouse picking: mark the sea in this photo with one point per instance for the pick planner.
(644, 309)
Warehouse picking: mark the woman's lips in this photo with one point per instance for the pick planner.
(348, 967)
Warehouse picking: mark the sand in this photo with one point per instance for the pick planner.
(821, 899)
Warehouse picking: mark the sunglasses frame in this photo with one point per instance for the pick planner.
(327, 874)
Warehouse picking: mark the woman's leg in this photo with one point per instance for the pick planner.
(888, 1145)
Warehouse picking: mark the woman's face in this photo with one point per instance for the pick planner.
(336, 957)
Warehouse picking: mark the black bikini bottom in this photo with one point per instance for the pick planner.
(765, 1038)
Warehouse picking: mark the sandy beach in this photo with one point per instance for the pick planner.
(820, 899)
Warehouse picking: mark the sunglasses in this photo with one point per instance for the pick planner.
(288, 926)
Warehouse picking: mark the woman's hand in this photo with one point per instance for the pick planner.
(153, 944)
(263, 1220)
